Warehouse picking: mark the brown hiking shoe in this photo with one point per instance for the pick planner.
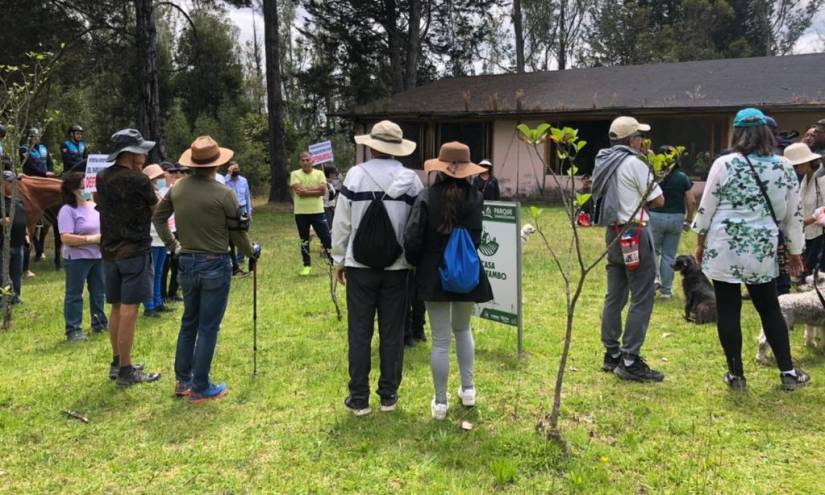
(183, 388)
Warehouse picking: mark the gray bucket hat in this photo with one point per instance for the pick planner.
(130, 140)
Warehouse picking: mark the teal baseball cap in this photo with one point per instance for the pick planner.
(750, 117)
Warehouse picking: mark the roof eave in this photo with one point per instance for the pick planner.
(781, 107)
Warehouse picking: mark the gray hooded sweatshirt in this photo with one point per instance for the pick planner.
(605, 192)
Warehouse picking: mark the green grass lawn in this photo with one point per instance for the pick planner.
(286, 430)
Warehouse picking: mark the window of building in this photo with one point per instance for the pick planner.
(414, 131)
(476, 135)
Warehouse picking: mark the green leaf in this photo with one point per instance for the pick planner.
(535, 211)
(562, 155)
(525, 130)
(541, 130)
(569, 134)
(581, 199)
(573, 170)
(556, 134)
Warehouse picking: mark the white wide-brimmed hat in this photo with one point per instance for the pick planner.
(387, 137)
(800, 153)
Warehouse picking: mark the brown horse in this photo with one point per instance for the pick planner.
(41, 197)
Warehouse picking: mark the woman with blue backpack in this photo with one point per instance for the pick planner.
(441, 240)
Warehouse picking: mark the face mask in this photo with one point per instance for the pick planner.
(235, 174)
(86, 195)
(160, 184)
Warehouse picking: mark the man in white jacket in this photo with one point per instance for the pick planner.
(375, 289)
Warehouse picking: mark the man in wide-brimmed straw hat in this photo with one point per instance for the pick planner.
(812, 194)
(207, 216)
(379, 192)
(125, 199)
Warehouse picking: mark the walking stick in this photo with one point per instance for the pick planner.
(255, 318)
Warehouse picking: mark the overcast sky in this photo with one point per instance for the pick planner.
(811, 41)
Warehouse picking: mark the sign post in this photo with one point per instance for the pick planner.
(500, 254)
(94, 164)
(321, 152)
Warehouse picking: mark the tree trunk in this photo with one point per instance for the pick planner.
(259, 73)
(278, 190)
(394, 44)
(519, 33)
(563, 34)
(413, 45)
(147, 53)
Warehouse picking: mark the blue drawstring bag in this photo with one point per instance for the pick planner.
(460, 266)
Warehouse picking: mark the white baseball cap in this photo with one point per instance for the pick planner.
(623, 127)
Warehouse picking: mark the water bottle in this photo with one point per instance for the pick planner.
(629, 243)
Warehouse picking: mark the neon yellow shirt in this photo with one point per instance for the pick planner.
(307, 205)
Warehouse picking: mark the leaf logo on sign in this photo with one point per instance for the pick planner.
(488, 246)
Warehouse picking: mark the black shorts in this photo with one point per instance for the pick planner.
(129, 281)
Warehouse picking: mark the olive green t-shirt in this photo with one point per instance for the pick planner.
(307, 205)
(206, 217)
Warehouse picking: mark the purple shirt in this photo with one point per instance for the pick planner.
(80, 220)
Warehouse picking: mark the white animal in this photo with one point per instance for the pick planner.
(802, 307)
(526, 231)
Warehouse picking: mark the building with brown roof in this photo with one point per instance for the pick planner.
(687, 103)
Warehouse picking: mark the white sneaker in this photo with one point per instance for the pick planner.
(468, 397)
(439, 410)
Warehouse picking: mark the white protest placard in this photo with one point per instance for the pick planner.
(500, 253)
(94, 164)
(321, 152)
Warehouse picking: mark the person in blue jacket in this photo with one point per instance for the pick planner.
(35, 157)
(73, 151)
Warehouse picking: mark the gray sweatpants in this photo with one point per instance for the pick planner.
(447, 318)
(639, 284)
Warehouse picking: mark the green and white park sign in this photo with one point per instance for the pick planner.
(500, 253)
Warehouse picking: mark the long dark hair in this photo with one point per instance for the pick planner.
(758, 139)
(452, 196)
(71, 183)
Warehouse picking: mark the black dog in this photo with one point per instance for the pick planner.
(700, 300)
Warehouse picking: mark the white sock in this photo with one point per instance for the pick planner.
(616, 355)
(791, 372)
(629, 362)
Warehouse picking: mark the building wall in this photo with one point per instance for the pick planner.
(515, 163)
(796, 121)
(512, 158)
(520, 171)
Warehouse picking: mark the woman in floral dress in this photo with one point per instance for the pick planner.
(737, 241)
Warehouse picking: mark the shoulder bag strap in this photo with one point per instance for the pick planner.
(375, 181)
(763, 191)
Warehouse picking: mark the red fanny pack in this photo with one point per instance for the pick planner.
(629, 243)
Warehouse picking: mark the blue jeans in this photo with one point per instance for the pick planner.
(15, 270)
(205, 280)
(667, 230)
(79, 273)
(158, 258)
